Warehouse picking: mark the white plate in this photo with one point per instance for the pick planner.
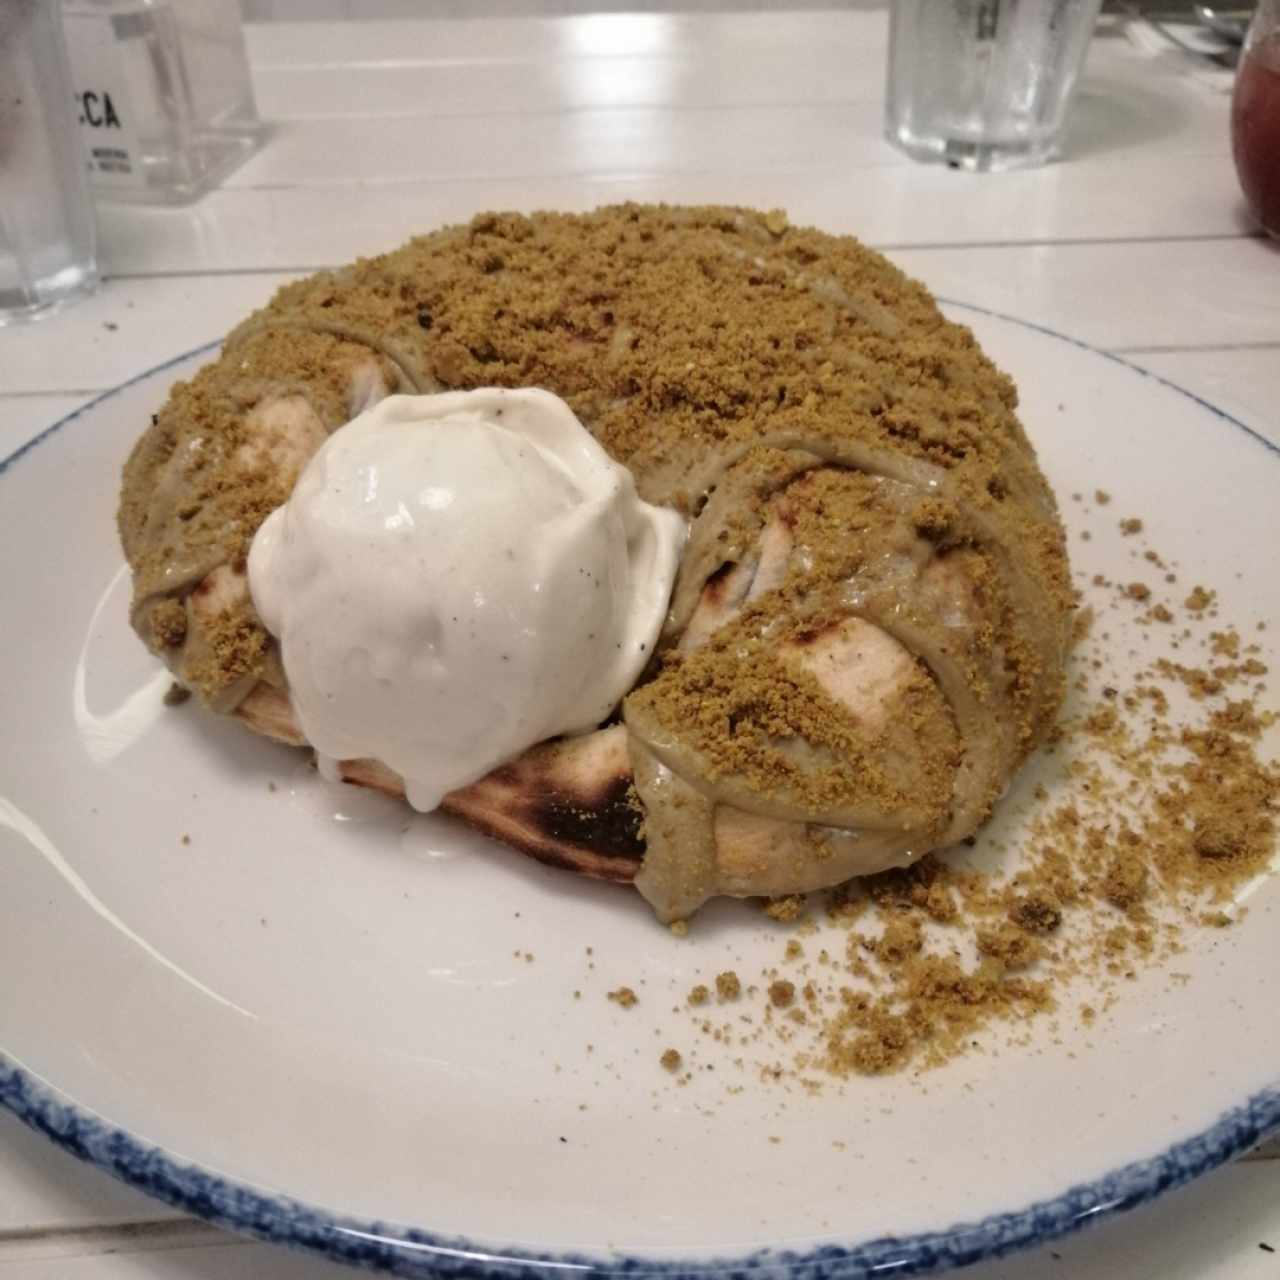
(308, 1015)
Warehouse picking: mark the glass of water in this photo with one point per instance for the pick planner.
(46, 218)
(984, 84)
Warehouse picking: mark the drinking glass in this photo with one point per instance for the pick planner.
(984, 84)
(46, 217)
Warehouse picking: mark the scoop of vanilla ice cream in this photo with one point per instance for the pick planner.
(457, 577)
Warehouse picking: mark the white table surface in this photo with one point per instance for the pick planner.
(1136, 242)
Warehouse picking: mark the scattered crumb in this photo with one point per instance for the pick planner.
(785, 909)
(728, 987)
(781, 994)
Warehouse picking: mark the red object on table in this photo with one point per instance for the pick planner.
(1255, 117)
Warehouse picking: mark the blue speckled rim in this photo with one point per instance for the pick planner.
(403, 1251)
(409, 1252)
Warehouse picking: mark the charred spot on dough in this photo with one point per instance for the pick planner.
(717, 584)
(605, 820)
(807, 636)
(221, 587)
(785, 513)
(508, 775)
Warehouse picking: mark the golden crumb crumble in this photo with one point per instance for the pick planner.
(728, 987)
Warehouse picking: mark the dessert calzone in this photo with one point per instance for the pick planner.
(676, 546)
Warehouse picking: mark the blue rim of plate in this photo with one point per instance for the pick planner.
(411, 1252)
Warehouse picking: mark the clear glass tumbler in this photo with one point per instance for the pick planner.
(46, 217)
(984, 84)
